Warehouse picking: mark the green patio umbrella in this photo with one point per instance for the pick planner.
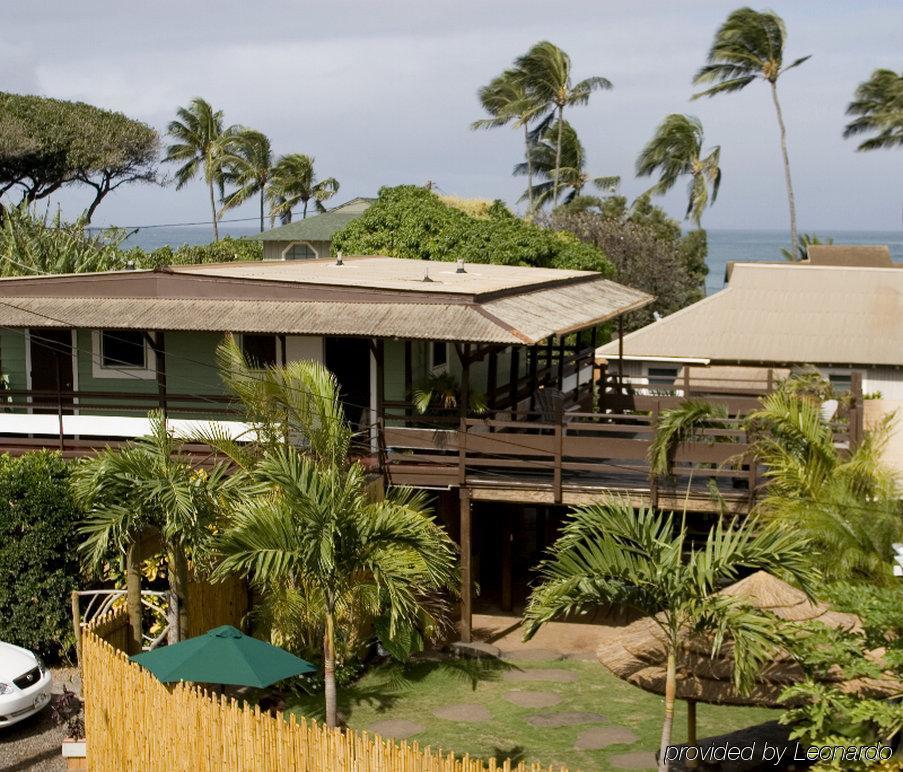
(223, 655)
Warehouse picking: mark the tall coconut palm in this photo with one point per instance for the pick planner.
(150, 485)
(846, 503)
(292, 182)
(248, 164)
(676, 150)
(879, 104)
(507, 99)
(546, 71)
(566, 167)
(749, 46)
(610, 554)
(316, 529)
(200, 144)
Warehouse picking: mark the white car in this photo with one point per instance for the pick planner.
(24, 684)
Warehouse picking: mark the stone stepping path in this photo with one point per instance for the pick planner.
(634, 760)
(601, 737)
(535, 699)
(463, 711)
(532, 655)
(564, 719)
(396, 728)
(541, 674)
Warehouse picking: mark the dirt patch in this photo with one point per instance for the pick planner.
(565, 719)
(601, 737)
(634, 760)
(542, 674)
(396, 729)
(463, 711)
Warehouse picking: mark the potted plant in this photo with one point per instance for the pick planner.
(67, 708)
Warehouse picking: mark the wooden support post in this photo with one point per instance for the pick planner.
(512, 381)
(59, 400)
(466, 578)
(621, 354)
(534, 355)
(559, 442)
(159, 345)
(506, 558)
(856, 418)
(380, 380)
(492, 379)
(76, 626)
(561, 363)
(653, 477)
(408, 373)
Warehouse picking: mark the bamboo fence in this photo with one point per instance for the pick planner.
(134, 722)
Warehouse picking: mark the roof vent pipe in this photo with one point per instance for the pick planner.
(460, 268)
(426, 273)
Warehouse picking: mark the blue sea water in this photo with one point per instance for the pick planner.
(724, 245)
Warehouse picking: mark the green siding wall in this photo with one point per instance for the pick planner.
(12, 357)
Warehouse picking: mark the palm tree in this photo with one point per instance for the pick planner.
(676, 150)
(682, 424)
(200, 145)
(564, 169)
(546, 72)
(610, 554)
(747, 47)
(293, 181)
(802, 248)
(847, 503)
(507, 99)
(314, 530)
(248, 164)
(151, 486)
(879, 104)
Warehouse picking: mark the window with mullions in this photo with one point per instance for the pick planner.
(123, 349)
(260, 350)
(299, 251)
(661, 376)
(841, 382)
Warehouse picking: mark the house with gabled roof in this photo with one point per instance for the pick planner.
(311, 237)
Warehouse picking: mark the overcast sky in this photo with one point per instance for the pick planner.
(382, 93)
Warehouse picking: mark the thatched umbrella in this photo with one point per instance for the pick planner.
(636, 653)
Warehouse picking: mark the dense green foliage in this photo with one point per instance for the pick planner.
(48, 143)
(408, 221)
(31, 245)
(39, 566)
(878, 105)
(647, 249)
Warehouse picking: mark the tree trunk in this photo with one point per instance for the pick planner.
(133, 595)
(178, 594)
(790, 197)
(529, 171)
(558, 157)
(213, 209)
(670, 690)
(329, 689)
(261, 208)
(304, 210)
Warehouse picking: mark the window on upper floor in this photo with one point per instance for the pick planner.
(260, 350)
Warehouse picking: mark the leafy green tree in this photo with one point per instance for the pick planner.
(676, 151)
(846, 504)
(292, 182)
(878, 103)
(248, 165)
(315, 528)
(411, 222)
(568, 170)
(150, 485)
(546, 71)
(201, 145)
(749, 46)
(46, 144)
(610, 554)
(507, 99)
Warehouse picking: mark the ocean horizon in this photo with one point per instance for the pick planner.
(725, 245)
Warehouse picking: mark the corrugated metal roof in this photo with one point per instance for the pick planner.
(318, 227)
(494, 304)
(862, 255)
(785, 314)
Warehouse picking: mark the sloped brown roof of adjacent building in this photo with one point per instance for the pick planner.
(366, 296)
(862, 255)
(791, 313)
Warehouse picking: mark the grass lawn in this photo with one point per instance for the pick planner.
(414, 691)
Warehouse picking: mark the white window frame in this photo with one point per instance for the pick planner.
(99, 370)
(240, 339)
(433, 367)
(310, 246)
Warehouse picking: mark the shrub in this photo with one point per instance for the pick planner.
(39, 566)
